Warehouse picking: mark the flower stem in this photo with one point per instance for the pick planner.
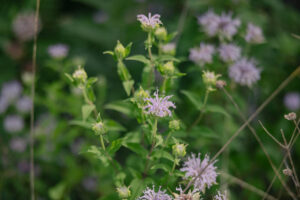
(102, 142)
(198, 119)
(154, 130)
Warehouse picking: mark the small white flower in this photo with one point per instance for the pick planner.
(23, 26)
(150, 22)
(18, 144)
(220, 196)
(11, 90)
(159, 106)
(24, 104)
(254, 34)
(150, 194)
(58, 50)
(229, 52)
(204, 175)
(292, 101)
(244, 72)
(202, 55)
(13, 123)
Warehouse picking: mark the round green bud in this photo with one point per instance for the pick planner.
(124, 192)
(120, 50)
(210, 79)
(168, 68)
(174, 125)
(27, 77)
(161, 33)
(179, 150)
(80, 75)
(98, 128)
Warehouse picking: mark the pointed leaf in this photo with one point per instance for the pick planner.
(86, 111)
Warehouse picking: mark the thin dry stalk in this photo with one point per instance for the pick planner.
(265, 103)
(248, 186)
(279, 143)
(290, 146)
(36, 22)
(259, 142)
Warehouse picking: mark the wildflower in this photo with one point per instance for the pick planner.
(254, 34)
(204, 175)
(23, 26)
(124, 192)
(174, 125)
(161, 33)
(24, 104)
(179, 150)
(90, 183)
(149, 23)
(18, 144)
(99, 128)
(244, 72)
(210, 79)
(169, 48)
(58, 51)
(229, 52)
(292, 101)
(220, 196)
(100, 17)
(13, 123)
(159, 106)
(290, 116)
(227, 27)
(287, 172)
(150, 194)
(210, 23)
(191, 195)
(202, 55)
(11, 90)
(80, 75)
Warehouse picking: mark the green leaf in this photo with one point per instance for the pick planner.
(147, 77)
(86, 111)
(139, 58)
(137, 148)
(57, 192)
(157, 154)
(128, 49)
(121, 106)
(115, 146)
(112, 125)
(216, 109)
(98, 153)
(194, 98)
(70, 78)
(83, 124)
(109, 52)
(127, 86)
(91, 81)
(167, 58)
(159, 140)
(203, 131)
(162, 166)
(123, 71)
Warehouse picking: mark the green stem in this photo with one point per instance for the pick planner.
(198, 119)
(174, 165)
(149, 46)
(102, 142)
(164, 85)
(154, 130)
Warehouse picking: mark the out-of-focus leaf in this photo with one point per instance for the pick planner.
(216, 109)
(83, 124)
(86, 111)
(115, 146)
(121, 106)
(162, 166)
(98, 153)
(57, 192)
(139, 58)
(128, 86)
(194, 98)
(112, 125)
(137, 148)
(147, 76)
(162, 154)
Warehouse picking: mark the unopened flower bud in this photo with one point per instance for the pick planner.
(124, 192)
(287, 172)
(210, 79)
(168, 68)
(80, 75)
(174, 125)
(290, 116)
(27, 78)
(220, 84)
(169, 48)
(161, 33)
(120, 51)
(179, 150)
(98, 128)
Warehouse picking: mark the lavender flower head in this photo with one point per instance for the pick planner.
(3, 104)
(23, 26)
(292, 101)
(202, 55)
(227, 26)
(221, 196)
(210, 22)
(13, 123)
(18, 144)
(150, 194)
(244, 72)
(58, 51)
(24, 104)
(11, 90)
(150, 22)
(254, 34)
(159, 106)
(229, 52)
(194, 167)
